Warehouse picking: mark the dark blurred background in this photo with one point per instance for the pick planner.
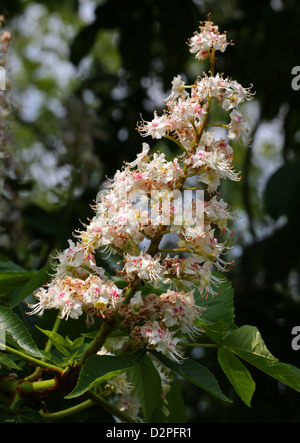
(81, 74)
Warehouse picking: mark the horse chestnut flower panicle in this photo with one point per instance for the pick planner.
(125, 225)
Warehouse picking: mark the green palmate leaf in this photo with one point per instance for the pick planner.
(13, 276)
(7, 361)
(147, 383)
(72, 345)
(58, 341)
(237, 374)
(216, 331)
(171, 409)
(9, 267)
(158, 289)
(12, 325)
(196, 373)
(247, 343)
(99, 368)
(220, 306)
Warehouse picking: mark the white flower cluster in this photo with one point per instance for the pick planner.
(186, 112)
(119, 218)
(144, 266)
(209, 37)
(160, 321)
(78, 287)
(121, 223)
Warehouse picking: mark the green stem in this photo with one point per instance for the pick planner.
(131, 289)
(37, 386)
(220, 125)
(191, 174)
(192, 189)
(98, 341)
(199, 345)
(36, 374)
(35, 361)
(210, 257)
(54, 329)
(21, 387)
(109, 407)
(194, 127)
(169, 137)
(176, 250)
(212, 60)
(67, 412)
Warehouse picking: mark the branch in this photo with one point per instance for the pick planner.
(66, 412)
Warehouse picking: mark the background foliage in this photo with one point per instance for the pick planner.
(80, 81)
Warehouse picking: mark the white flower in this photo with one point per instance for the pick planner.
(144, 266)
(235, 95)
(73, 296)
(142, 157)
(136, 301)
(185, 110)
(162, 172)
(214, 162)
(237, 127)
(77, 261)
(121, 384)
(218, 87)
(179, 309)
(208, 38)
(129, 403)
(45, 302)
(156, 128)
(162, 340)
(217, 211)
(178, 89)
(164, 373)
